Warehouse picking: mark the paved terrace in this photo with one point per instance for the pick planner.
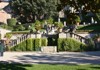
(53, 58)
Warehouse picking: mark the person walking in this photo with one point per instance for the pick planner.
(1, 48)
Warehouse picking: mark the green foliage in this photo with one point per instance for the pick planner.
(8, 35)
(28, 9)
(5, 26)
(37, 44)
(20, 32)
(90, 28)
(19, 28)
(69, 44)
(92, 5)
(50, 20)
(20, 47)
(59, 25)
(91, 45)
(60, 44)
(11, 22)
(37, 25)
(17, 66)
(44, 42)
(29, 44)
(77, 19)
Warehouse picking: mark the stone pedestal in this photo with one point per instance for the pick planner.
(49, 49)
(32, 35)
(64, 35)
(37, 35)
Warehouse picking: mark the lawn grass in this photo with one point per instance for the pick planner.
(47, 67)
(95, 27)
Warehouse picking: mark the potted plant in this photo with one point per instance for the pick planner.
(77, 20)
(59, 26)
(37, 26)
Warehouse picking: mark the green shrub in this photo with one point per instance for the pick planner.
(91, 45)
(20, 47)
(60, 45)
(37, 44)
(19, 28)
(5, 26)
(24, 46)
(44, 42)
(11, 22)
(29, 44)
(8, 35)
(70, 44)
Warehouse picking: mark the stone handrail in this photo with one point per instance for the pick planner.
(79, 38)
(19, 40)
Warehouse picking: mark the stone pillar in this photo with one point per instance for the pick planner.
(37, 35)
(92, 20)
(64, 23)
(58, 19)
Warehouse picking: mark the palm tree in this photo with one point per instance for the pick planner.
(37, 26)
(59, 26)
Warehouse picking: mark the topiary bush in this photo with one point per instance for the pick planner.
(44, 42)
(29, 44)
(60, 45)
(37, 44)
(11, 22)
(70, 44)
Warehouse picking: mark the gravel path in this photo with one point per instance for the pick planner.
(53, 58)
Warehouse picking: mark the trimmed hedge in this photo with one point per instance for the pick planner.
(37, 44)
(19, 47)
(44, 42)
(70, 44)
(30, 45)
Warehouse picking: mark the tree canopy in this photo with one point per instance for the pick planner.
(29, 10)
(89, 5)
(83, 7)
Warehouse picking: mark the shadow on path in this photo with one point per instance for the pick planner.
(60, 59)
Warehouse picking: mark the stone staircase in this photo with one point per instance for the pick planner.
(19, 40)
(74, 36)
(28, 35)
(79, 38)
